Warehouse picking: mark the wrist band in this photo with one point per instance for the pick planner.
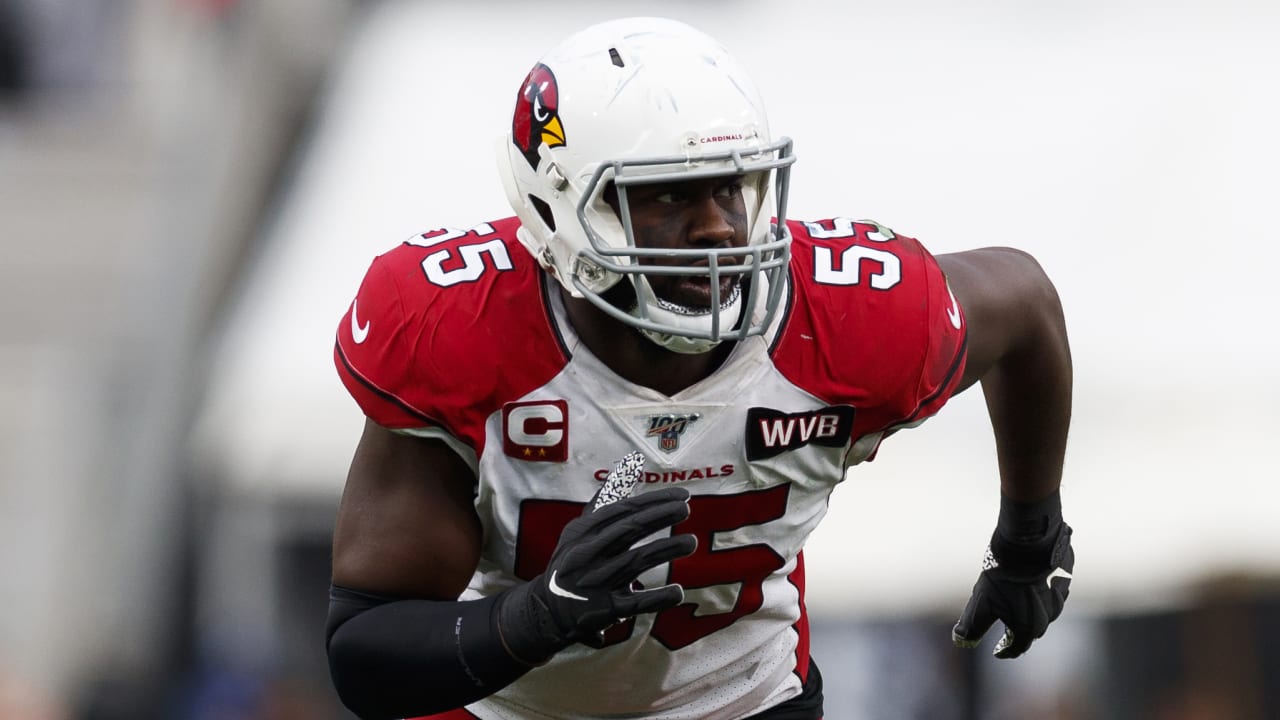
(1030, 523)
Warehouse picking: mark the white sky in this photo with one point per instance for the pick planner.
(1131, 147)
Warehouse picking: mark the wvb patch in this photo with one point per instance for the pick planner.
(772, 432)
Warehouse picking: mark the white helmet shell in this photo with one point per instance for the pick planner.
(635, 101)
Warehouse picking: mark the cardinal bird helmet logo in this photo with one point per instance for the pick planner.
(537, 121)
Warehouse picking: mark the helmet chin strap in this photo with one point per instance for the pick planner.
(679, 343)
(679, 318)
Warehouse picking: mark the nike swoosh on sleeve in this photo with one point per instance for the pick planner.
(953, 312)
(358, 333)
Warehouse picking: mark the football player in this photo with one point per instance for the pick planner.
(599, 432)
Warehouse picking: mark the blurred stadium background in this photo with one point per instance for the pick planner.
(190, 191)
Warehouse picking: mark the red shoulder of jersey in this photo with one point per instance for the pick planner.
(446, 328)
(871, 323)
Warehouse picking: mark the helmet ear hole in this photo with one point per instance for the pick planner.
(610, 196)
(544, 211)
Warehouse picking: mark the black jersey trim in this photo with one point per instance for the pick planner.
(545, 285)
(786, 311)
(346, 364)
(961, 354)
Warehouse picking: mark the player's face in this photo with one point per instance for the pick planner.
(694, 214)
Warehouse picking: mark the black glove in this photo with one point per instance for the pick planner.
(588, 584)
(1025, 579)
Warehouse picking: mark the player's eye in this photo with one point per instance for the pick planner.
(728, 190)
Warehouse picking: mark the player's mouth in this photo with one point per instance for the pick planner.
(691, 294)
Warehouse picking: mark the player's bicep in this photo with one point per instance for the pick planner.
(1006, 299)
(407, 524)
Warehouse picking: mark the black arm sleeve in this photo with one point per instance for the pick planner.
(393, 658)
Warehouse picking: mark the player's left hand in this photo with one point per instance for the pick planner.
(1024, 587)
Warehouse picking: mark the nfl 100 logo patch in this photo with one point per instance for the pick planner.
(668, 428)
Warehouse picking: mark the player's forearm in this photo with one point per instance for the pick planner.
(1028, 395)
(1026, 574)
(403, 658)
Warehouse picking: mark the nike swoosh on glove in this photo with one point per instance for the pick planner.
(1024, 587)
(590, 581)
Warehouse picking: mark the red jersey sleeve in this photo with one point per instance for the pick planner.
(946, 335)
(375, 356)
(446, 328)
(871, 324)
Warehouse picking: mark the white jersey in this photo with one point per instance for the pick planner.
(460, 336)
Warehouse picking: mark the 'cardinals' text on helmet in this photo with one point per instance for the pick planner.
(646, 100)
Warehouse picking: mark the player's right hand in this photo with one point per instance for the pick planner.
(589, 583)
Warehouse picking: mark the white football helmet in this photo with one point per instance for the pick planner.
(646, 100)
